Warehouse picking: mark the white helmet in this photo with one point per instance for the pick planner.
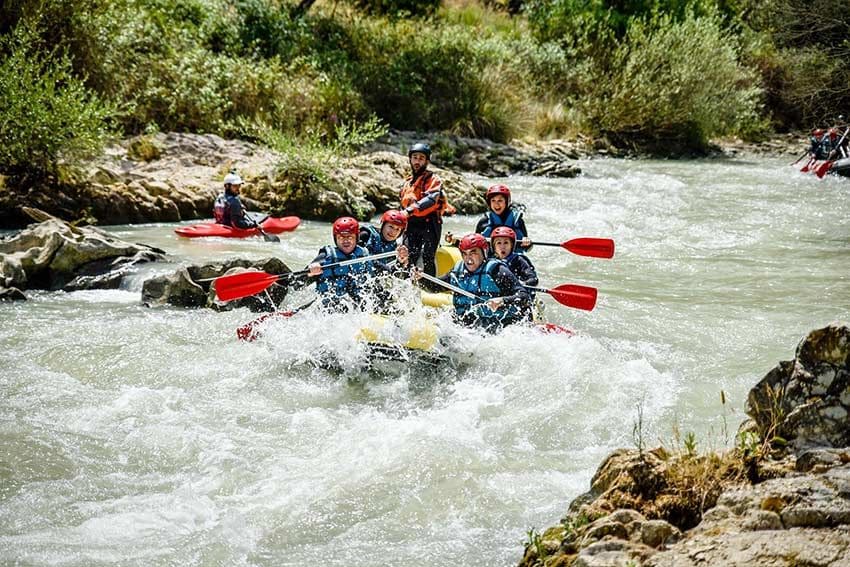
(232, 178)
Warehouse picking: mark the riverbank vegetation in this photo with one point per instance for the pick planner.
(651, 76)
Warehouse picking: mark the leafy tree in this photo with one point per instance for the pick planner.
(48, 114)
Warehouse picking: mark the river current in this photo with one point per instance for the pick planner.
(152, 436)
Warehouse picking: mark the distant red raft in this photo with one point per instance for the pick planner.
(272, 225)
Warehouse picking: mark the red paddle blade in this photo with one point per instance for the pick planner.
(805, 168)
(594, 247)
(823, 168)
(577, 296)
(241, 285)
(250, 331)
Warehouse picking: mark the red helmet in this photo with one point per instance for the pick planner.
(395, 217)
(471, 241)
(504, 231)
(346, 225)
(498, 190)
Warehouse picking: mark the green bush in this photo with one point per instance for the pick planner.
(48, 114)
(399, 8)
(672, 86)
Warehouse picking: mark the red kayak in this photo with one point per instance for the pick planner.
(271, 225)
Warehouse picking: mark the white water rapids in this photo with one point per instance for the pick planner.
(138, 436)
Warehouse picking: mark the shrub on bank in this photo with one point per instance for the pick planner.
(672, 85)
(48, 114)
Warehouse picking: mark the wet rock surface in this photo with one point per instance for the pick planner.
(55, 255)
(641, 510)
(193, 286)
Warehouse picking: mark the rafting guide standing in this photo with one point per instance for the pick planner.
(228, 209)
(423, 200)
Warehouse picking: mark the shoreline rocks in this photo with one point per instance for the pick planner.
(192, 286)
(773, 500)
(55, 255)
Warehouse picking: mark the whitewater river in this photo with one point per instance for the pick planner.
(137, 436)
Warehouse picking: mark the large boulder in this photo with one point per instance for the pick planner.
(54, 255)
(806, 401)
(193, 286)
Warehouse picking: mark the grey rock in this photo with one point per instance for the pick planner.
(54, 255)
(11, 294)
(655, 533)
(192, 286)
(804, 400)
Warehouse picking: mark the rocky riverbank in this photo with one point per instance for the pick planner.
(175, 177)
(781, 497)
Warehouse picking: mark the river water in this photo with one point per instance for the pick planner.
(137, 436)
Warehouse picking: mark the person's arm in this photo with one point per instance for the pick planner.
(526, 274)
(238, 217)
(432, 195)
(511, 289)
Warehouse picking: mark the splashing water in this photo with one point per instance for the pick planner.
(139, 436)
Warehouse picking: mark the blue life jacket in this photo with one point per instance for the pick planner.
(481, 282)
(343, 281)
(376, 243)
(511, 221)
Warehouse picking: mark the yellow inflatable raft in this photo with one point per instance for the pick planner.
(446, 258)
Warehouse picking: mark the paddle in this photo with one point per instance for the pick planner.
(801, 157)
(594, 247)
(571, 295)
(823, 168)
(236, 286)
(266, 236)
(249, 331)
(449, 286)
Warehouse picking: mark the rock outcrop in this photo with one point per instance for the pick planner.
(653, 508)
(173, 177)
(55, 255)
(807, 400)
(192, 286)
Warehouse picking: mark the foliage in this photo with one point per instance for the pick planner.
(399, 8)
(672, 86)
(804, 59)
(48, 114)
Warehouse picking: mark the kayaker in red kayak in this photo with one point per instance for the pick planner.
(228, 209)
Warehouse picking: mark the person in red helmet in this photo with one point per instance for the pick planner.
(388, 237)
(503, 299)
(503, 242)
(343, 288)
(422, 198)
(503, 212)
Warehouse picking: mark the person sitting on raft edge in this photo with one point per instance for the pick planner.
(228, 209)
(345, 288)
(502, 212)
(387, 238)
(505, 300)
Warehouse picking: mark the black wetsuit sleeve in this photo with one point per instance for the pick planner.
(305, 279)
(363, 237)
(512, 291)
(521, 225)
(525, 271)
(238, 216)
(482, 224)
